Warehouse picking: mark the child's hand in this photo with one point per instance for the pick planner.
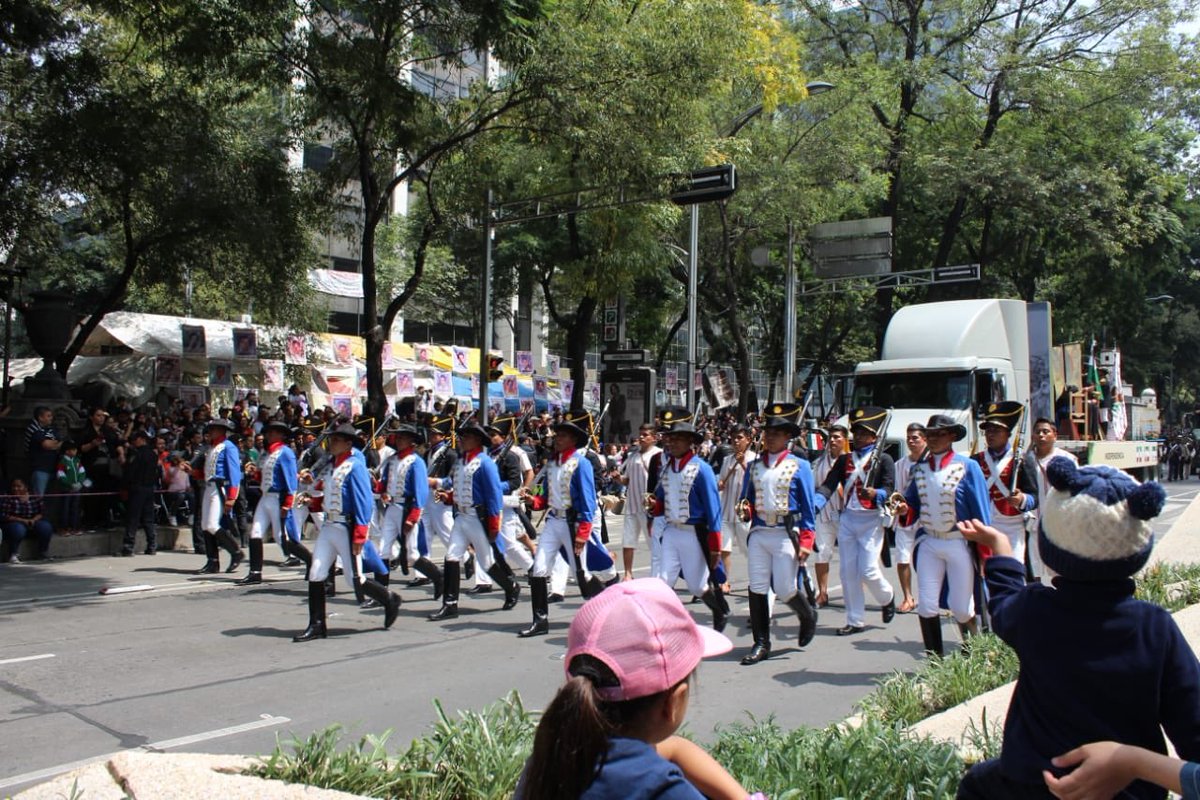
(1105, 768)
(975, 531)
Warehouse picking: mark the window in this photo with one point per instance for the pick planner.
(914, 390)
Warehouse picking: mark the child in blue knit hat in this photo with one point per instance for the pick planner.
(1096, 664)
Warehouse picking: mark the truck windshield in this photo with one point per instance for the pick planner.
(914, 390)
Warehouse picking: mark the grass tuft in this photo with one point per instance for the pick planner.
(1172, 586)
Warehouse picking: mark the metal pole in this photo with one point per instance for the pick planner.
(789, 317)
(693, 290)
(7, 340)
(485, 338)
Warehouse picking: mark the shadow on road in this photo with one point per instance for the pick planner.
(805, 676)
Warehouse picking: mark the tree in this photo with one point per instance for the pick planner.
(147, 170)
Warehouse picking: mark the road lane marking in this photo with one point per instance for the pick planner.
(265, 721)
(26, 658)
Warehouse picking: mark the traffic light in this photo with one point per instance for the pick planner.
(495, 361)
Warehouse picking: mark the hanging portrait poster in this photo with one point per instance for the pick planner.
(167, 370)
(524, 362)
(404, 382)
(245, 343)
(220, 375)
(552, 365)
(388, 357)
(541, 389)
(511, 390)
(192, 396)
(193, 340)
(272, 375)
(460, 355)
(443, 386)
(296, 354)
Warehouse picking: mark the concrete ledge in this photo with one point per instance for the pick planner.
(173, 776)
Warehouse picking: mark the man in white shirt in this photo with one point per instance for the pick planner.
(906, 534)
(730, 482)
(827, 519)
(635, 476)
(1045, 439)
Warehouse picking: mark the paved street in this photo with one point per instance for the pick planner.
(200, 665)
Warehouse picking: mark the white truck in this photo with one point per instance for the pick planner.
(956, 357)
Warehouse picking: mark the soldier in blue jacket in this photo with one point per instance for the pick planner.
(222, 482)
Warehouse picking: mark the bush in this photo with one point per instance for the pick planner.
(941, 683)
(1172, 586)
(872, 760)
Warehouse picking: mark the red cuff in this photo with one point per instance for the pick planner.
(231, 493)
(583, 531)
(316, 503)
(492, 525)
(985, 552)
(449, 498)
(909, 518)
(360, 534)
(807, 539)
(714, 541)
(538, 502)
(414, 516)
(285, 502)
(657, 510)
(376, 486)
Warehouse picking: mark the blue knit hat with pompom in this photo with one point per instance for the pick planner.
(1095, 521)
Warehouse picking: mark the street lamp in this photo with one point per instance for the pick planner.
(813, 88)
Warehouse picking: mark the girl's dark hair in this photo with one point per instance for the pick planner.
(572, 737)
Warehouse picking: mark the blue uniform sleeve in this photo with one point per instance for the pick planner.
(356, 493)
(233, 466)
(583, 490)
(971, 501)
(913, 497)
(416, 484)
(748, 490)
(284, 478)
(485, 486)
(802, 496)
(705, 501)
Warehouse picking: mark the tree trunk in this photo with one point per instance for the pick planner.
(579, 336)
(373, 333)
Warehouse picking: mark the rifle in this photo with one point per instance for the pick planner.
(880, 439)
(1016, 452)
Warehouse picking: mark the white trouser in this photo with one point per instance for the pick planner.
(826, 534)
(554, 541)
(333, 542)
(859, 540)
(558, 575)
(439, 520)
(267, 518)
(657, 526)
(1039, 569)
(947, 559)
(468, 530)
(392, 528)
(212, 507)
(1014, 528)
(733, 530)
(905, 539)
(515, 553)
(771, 562)
(682, 554)
(637, 527)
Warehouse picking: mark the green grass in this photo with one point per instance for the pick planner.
(1172, 586)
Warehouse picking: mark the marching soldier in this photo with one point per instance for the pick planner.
(222, 481)
(1011, 499)
(515, 474)
(827, 519)
(568, 493)
(777, 498)
(440, 460)
(474, 490)
(865, 478)
(348, 504)
(405, 494)
(945, 488)
(686, 498)
(274, 510)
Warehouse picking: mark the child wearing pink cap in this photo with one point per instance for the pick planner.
(608, 733)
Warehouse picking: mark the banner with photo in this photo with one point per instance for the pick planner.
(524, 362)
(443, 385)
(568, 390)
(245, 343)
(672, 379)
(168, 370)
(421, 351)
(272, 375)
(388, 356)
(511, 390)
(220, 374)
(193, 340)
(460, 358)
(296, 353)
(593, 390)
(404, 382)
(541, 388)
(192, 396)
(552, 365)
(474, 384)
(343, 351)
(343, 404)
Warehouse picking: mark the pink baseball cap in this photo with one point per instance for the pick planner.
(641, 631)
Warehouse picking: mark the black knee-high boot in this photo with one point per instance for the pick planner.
(539, 594)
(450, 578)
(212, 565)
(298, 550)
(502, 574)
(316, 614)
(256, 564)
(236, 554)
(931, 635)
(760, 626)
(714, 598)
(390, 601)
(807, 615)
(431, 572)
